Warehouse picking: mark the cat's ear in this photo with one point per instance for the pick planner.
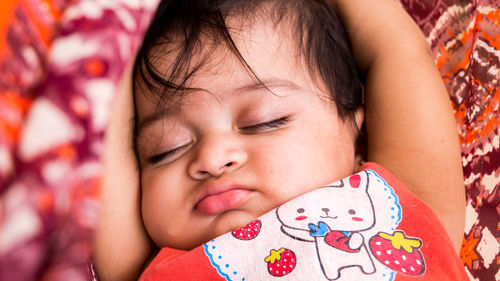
(358, 181)
(339, 183)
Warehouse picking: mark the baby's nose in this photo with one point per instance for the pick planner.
(326, 210)
(216, 154)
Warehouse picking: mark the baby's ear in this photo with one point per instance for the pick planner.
(359, 117)
(361, 139)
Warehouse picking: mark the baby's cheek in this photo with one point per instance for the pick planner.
(158, 212)
(152, 222)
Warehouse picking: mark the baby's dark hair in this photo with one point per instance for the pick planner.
(179, 26)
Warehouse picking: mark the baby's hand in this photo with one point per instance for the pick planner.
(120, 204)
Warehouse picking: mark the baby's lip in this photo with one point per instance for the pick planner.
(220, 195)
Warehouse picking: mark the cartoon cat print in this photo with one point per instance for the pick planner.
(333, 221)
(343, 231)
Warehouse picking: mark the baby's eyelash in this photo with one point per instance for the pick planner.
(263, 127)
(159, 157)
(254, 129)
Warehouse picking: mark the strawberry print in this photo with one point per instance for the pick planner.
(340, 241)
(249, 231)
(280, 262)
(398, 252)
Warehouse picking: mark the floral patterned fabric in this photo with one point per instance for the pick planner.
(60, 63)
(465, 39)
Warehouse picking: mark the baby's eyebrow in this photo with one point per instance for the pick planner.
(148, 121)
(154, 117)
(267, 84)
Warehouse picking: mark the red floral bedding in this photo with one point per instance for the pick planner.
(465, 39)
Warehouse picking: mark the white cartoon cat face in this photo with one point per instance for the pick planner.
(343, 206)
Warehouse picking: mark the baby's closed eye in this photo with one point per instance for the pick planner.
(169, 155)
(266, 126)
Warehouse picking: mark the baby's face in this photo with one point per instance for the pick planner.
(234, 151)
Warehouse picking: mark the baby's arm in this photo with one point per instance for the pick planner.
(410, 124)
(121, 245)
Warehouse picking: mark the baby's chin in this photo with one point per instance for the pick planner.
(230, 221)
(222, 224)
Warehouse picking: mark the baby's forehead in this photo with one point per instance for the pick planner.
(262, 61)
(245, 45)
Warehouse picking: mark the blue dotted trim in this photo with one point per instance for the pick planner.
(392, 275)
(215, 264)
(396, 199)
